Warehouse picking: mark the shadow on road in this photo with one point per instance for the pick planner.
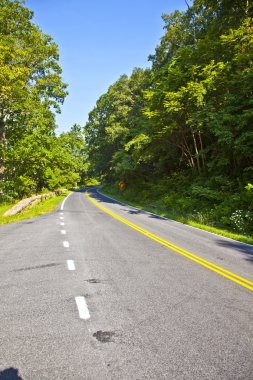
(240, 247)
(131, 210)
(10, 374)
(243, 248)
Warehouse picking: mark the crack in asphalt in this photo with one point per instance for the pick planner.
(36, 267)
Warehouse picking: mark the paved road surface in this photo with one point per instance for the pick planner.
(85, 296)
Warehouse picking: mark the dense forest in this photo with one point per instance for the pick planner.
(32, 157)
(180, 134)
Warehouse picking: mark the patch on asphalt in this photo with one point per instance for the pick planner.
(36, 267)
(104, 336)
(93, 281)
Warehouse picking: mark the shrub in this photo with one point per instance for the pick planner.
(242, 221)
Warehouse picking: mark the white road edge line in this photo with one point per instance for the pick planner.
(63, 203)
(82, 308)
(63, 232)
(71, 265)
(66, 244)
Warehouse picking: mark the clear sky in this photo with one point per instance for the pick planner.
(99, 40)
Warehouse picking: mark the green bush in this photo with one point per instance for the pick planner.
(90, 182)
(210, 201)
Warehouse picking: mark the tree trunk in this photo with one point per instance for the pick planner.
(2, 146)
(196, 150)
(202, 151)
(188, 151)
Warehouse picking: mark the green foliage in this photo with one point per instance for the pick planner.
(112, 124)
(242, 221)
(32, 157)
(181, 131)
(24, 186)
(90, 182)
(36, 210)
(200, 219)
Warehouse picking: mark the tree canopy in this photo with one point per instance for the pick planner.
(32, 157)
(191, 114)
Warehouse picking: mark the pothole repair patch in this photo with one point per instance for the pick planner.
(93, 281)
(104, 336)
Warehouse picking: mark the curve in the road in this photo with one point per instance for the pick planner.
(199, 260)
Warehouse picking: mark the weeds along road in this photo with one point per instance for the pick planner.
(100, 290)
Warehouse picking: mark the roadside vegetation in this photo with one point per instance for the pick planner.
(179, 134)
(38, 209)
(178, 208)
(33, 158)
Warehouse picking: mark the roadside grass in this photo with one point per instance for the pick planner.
(153, 206)
(35, 211)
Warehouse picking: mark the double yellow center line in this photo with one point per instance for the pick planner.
(207, 264)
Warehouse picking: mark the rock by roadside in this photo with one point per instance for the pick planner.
(29, 202)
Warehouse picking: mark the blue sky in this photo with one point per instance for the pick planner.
(99, 40)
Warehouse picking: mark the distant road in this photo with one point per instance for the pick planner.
(100, 290)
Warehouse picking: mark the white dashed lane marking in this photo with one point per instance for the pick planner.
(62, 224)
(82, 308)
(71, 265)
(80, 301)
(66, 244)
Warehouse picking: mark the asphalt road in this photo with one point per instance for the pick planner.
(85, 295)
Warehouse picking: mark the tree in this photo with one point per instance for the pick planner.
(73, 144)
(31, 89)
(30, 76)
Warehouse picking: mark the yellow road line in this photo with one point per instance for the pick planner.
(197, 259)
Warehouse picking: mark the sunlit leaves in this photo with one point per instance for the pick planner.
(192, 110)
(32, 157)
